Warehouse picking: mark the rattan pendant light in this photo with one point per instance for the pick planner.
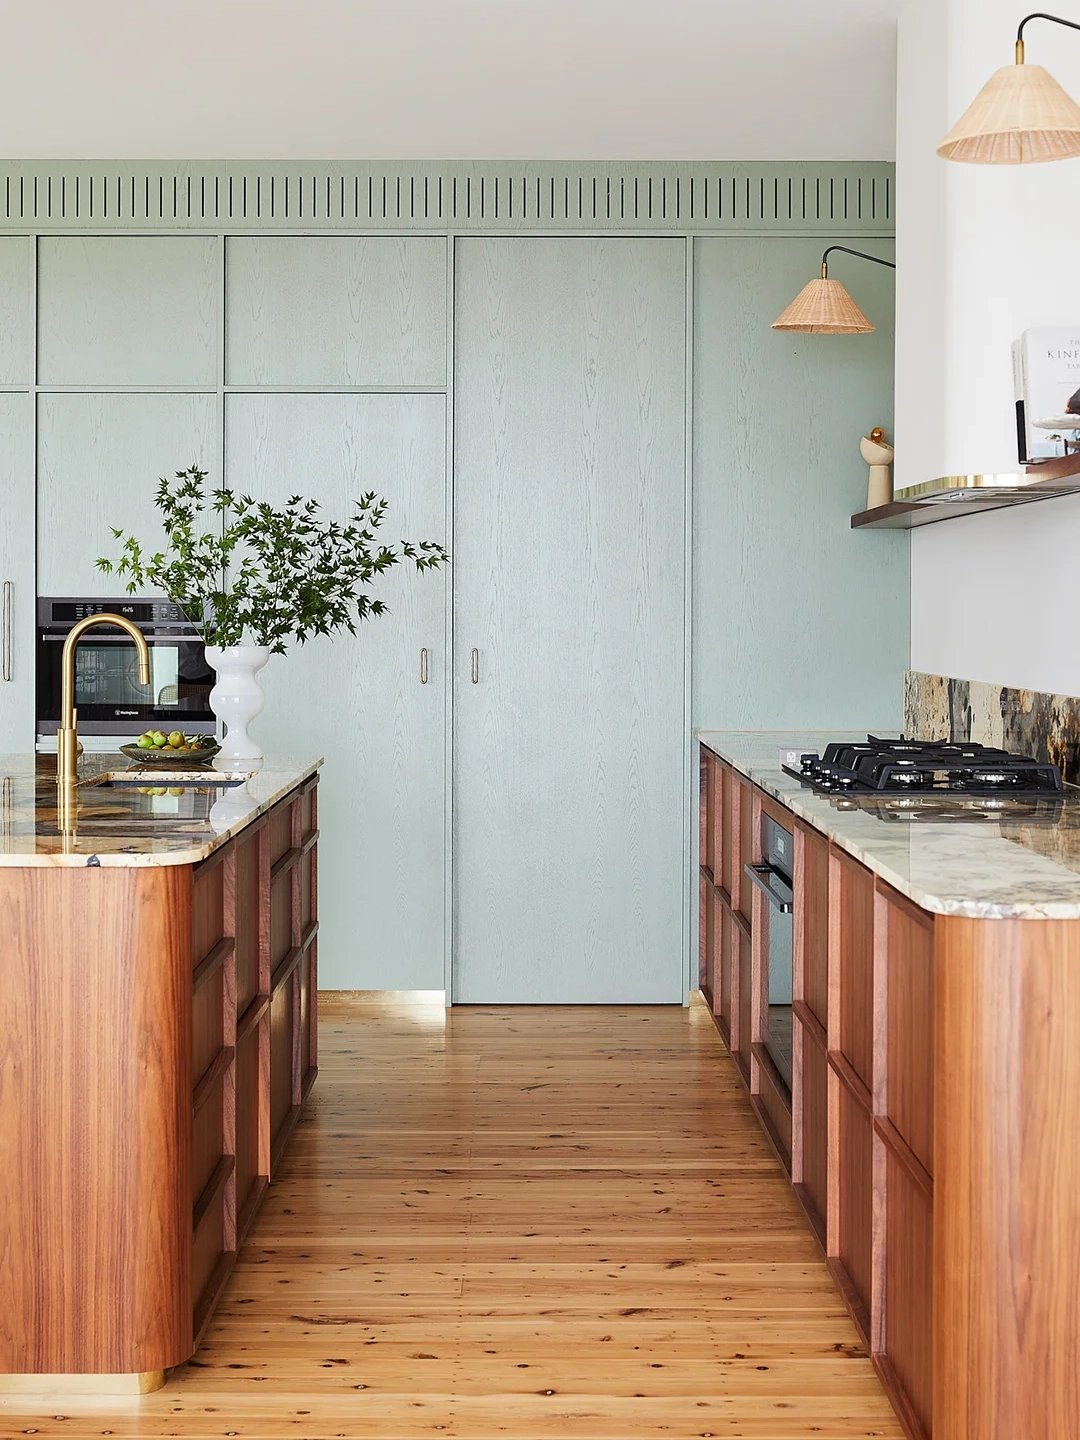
(1021, 115)
(824, 307)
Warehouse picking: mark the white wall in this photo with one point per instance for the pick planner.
(983, 252)
(448, 79)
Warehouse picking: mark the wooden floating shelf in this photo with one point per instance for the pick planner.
(905, 515)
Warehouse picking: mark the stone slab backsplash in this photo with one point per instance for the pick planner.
(1029, 722)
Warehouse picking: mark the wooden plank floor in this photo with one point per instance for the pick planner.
(518, 1223)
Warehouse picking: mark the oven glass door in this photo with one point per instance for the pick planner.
(108, 696)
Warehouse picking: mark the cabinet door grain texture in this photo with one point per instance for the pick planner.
(363, 705)
(136, 1083)
(568, 576)
(933, 1146)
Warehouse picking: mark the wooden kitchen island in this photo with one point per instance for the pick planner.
(929, 1128)
(157, 1040)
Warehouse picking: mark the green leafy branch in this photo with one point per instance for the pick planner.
(266, 574)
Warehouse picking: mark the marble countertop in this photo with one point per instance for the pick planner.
(1012, 862)
(122, 826)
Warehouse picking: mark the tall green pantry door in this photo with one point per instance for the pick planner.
(568, 584)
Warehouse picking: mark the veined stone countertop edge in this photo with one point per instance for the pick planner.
(980, 870)
(29, 837)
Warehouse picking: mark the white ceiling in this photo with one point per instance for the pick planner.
(448, 79)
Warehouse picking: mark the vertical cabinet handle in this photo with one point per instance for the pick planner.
(424, 666)
(476, 667)
(5, 632)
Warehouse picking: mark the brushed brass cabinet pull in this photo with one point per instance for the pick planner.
(424, 666)
(5, 627)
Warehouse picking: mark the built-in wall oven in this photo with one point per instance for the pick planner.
(108, 697)
(773, 878)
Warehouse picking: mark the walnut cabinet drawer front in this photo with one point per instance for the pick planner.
(253, 1024)
(930, 1126)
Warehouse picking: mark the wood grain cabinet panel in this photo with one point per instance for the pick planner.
(851, 1030)
(284, 1034)
(129, 310)
(16, 311)
(95, 1119)
(905, 1329)
(706, 768)
(250, 981)
(724, 826)
(144, 1223)
(810, 1127)
(724, 951)
(705, 938)
(356, 310)
(811, 934)
(851, 1245)
(729, 948)
(747, 848)
(109, 450)
(18, 590)
(742, 998)
(905, 940)
(383, 804)
(252, 1149)
(933, 1143)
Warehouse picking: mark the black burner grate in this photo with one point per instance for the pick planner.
(900, 766)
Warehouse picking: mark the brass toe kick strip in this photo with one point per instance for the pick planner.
(139, 1382)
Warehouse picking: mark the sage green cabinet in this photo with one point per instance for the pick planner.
(99, 460)
(336, 311)
(568, 582)
(17, 599)
(16, 311)
(128, 310)
(363, 701)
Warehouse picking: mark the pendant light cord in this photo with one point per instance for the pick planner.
(846, 250)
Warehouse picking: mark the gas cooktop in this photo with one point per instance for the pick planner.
(883, 767)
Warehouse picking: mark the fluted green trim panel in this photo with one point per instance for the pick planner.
(701, 197)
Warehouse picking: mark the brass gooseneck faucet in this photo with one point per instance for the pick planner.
(67, 735)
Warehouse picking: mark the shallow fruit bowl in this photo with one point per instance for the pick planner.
(165, 759)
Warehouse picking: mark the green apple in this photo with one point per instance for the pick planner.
(159, 740)
(176, 738)
(145, 742)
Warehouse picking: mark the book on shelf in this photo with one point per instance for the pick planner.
(1046, 371)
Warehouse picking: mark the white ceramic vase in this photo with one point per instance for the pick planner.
(236, 699)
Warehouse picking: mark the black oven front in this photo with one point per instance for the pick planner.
(108, 697)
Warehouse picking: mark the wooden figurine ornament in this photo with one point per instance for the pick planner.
(878, 454)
